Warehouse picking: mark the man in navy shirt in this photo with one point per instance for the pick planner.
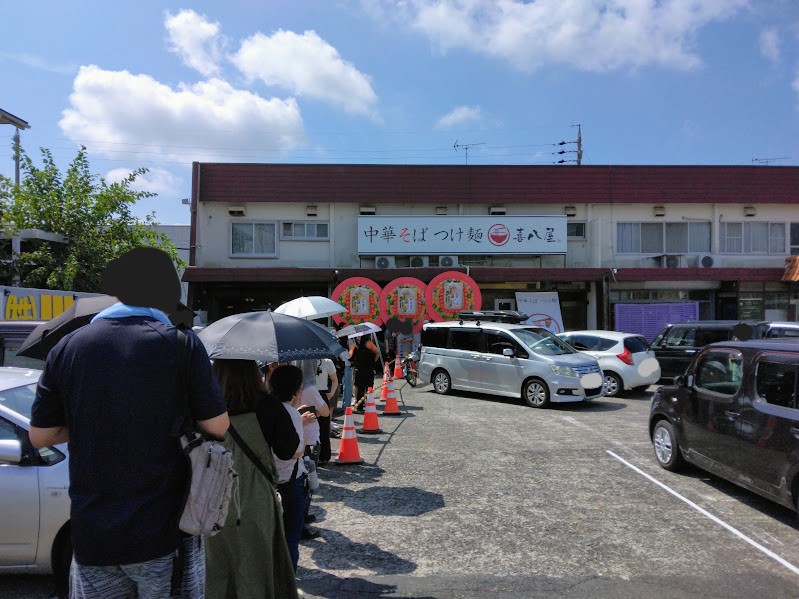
(111, 390)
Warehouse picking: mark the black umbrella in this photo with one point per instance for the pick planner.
(268, 337)
(44, 337)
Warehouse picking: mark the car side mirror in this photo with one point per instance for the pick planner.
(679, 380)
(10, 451)
(508, 351)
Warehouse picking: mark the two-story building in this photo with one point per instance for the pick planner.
(613, 241)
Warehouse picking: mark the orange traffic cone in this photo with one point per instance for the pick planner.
(391, 408)
(398, 366)
(370, 424)
(348, 446)
(384, 390)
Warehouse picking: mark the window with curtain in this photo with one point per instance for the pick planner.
(663, 238)
(752, 238)
(304, 230)
(250, 239)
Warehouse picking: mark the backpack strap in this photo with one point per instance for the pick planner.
(251, 454)
(186, 425)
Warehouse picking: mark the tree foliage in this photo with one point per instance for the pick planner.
(93, 216)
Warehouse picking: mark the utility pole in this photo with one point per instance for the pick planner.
(578, 152)
(466, 148)
(6, 118)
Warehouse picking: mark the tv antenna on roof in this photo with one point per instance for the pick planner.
(466, 148)
(769, 160)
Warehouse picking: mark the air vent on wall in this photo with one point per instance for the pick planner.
(420, 261)
(447, 261)
(384, 262)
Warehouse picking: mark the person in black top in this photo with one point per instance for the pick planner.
(364, 355)
(111, 390)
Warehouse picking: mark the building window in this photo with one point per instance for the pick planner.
(575, 230)
(752, 238)
(306, 230)
(663, 238)
(253, 239)
(794, 239)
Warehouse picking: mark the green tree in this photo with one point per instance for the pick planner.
(93, 216)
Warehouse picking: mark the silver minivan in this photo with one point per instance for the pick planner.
(508, 359)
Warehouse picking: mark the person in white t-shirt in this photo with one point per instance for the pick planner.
(311, 397)
(285, 382)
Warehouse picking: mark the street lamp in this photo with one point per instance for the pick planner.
(6, 118)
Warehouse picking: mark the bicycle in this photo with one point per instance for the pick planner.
(409, 370)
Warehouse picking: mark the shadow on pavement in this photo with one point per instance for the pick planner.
(348, 473)
(338, 552)
(394, 501)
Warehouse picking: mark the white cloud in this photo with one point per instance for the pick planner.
(118, 114)
(458, 115)
(595, 36)
(156, 180)
(770, 44)
(307, 66)
(196, 40)
(37, 62)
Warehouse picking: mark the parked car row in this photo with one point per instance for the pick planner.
(492, 352)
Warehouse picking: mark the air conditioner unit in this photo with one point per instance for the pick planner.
(447, 261)
(705, 261)
(420, 261)
(672, 261)
(385, 262)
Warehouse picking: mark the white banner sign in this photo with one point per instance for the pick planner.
(542, 308)
(400, 235)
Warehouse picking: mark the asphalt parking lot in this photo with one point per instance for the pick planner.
(469, 496)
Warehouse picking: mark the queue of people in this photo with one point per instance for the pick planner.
(128, 474)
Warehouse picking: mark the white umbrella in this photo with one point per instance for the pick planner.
(311, 307)
(357, 330)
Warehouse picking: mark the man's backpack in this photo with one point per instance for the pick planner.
(211, 469)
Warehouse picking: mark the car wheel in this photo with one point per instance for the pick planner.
(613, 384)
(667, 448)
(536, 393)
(61, 561)
(442, 383)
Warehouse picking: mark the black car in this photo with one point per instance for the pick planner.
(735, 413)
(676, 344)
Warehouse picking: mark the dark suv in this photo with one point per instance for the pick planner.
(676, 344)
(735, 413)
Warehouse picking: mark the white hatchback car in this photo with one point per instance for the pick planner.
(626, 359)
(34, 488)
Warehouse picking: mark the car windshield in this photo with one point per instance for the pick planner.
(543, 343)
(19, 399)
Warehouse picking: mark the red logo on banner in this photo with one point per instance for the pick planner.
(498, 234)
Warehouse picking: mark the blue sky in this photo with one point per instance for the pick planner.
(159, 85)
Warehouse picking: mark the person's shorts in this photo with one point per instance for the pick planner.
(144, 580)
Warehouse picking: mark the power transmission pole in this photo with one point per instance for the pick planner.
(579, 145)
(578, 152)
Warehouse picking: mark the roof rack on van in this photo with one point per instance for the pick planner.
(493, 316)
